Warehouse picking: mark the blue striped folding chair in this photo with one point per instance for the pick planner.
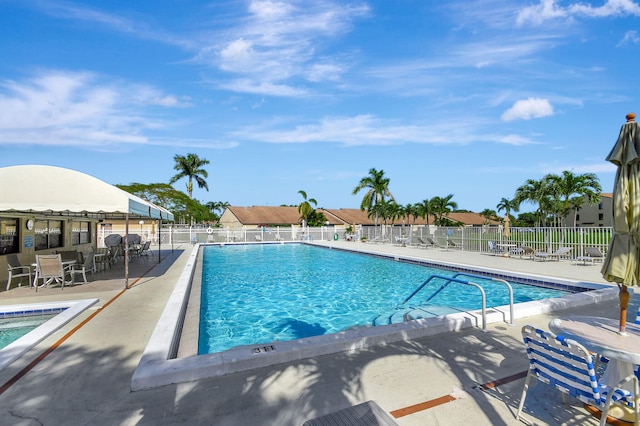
(568, 366)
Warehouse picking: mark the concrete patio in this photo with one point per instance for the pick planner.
(82, 374)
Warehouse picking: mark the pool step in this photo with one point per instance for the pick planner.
(403, 314)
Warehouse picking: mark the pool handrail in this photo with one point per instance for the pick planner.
(499, 280)
(449, 280)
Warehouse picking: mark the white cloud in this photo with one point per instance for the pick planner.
(279, 41)
(630, 37)
(369, 130)
(527, 109)
(76, 108)
(549, 9)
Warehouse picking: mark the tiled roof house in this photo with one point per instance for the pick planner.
(236, 217)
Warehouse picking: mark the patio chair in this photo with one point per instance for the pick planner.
(145, 250)
(16, 270)
(49, 268)
(84, 267)
(567, 366)
(102, 258)
(591, 254)
(562, 251)
(494, 249)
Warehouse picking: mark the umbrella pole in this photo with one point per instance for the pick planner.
(624, 303)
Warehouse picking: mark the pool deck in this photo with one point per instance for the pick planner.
(82, 374)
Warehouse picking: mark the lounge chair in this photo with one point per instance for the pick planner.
(562, 251)
(49, 268)
(402, 241)
(16, 270)
(432, 243)
(567, 366)
(523, 251)
(591, 254)
(379, 239)
(453, 244)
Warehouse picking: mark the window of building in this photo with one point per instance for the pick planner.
(80, 233)
(48, 234)
(600, 216)
(600, 206)
(577, 217)
(9, 237)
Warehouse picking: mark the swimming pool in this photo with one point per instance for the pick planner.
(60, 312)
(170, 355)
(263, 293)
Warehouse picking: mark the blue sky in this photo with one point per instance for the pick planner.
(470, 98)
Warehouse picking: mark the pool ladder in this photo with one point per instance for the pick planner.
(456, 279)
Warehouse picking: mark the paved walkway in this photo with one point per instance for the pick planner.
(81, 375)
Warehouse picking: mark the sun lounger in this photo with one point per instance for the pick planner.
(562, 251)
(379, 239)
(592, 254)
(453, 244)
(523, 251)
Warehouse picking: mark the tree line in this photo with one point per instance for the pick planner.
(555, 197)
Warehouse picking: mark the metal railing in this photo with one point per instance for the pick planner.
(447, 281)
(472, 239)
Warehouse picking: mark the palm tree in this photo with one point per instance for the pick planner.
(507, 205)
(442, 206)
(378, 189)
(216, 206)
(570, 185)
(537, 191)
(304, 208)
(190, 167)
(425, 209)
(489, 215)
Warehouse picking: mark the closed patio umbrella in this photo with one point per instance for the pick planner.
(622, 263)
(507, 227)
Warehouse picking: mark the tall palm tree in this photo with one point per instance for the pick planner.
(442, 206)
(304, 208)
(190, 167)
(377, 191)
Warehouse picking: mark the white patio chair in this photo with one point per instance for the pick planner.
(568, 366)
(49, 268)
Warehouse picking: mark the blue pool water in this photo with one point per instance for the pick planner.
(255, 294)
(11, 329)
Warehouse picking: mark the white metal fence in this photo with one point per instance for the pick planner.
(475, 239)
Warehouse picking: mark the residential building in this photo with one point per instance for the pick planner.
(597, 215)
